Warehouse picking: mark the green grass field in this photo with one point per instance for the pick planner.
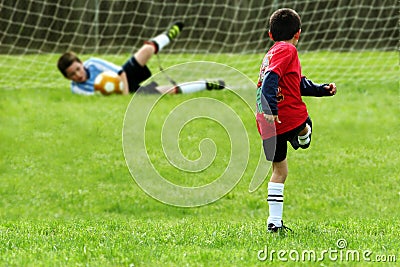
(68, 199)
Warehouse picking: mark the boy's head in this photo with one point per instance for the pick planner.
(71, 67)
(284, 24)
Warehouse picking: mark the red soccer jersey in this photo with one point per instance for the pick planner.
(282, 59)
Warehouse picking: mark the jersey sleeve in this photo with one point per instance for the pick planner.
(104, 65)
(308, 88)
(269, 89)
(81, 90)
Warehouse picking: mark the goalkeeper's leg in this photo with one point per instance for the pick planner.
(191, 87)
(163, 39)
(156, 44)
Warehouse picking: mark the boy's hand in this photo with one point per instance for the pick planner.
(271, 118)
(331, 88)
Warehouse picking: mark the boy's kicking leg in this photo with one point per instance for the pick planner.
(303, 137)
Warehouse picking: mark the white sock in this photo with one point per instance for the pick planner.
(275, 202)
(162, 40)
(192, 87)
(305, 139)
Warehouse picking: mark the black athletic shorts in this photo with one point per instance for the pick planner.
(275, 148)
(135, 74)
(150, 88)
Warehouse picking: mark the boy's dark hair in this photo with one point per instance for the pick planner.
(284, 23)
(66, 60)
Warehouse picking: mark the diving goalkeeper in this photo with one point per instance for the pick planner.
(132, 73)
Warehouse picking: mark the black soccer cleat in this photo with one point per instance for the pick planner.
(215, 85)
(174, 30)
(278, 229)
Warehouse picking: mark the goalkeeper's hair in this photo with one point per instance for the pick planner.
(284, 23)
(66, 60)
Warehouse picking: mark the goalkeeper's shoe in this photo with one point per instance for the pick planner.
(215, 85)
(174, 30)
(272, 228)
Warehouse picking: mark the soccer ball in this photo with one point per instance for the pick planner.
(108, 83)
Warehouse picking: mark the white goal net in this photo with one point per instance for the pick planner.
(340, 38)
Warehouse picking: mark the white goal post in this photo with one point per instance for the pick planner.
(34, 32)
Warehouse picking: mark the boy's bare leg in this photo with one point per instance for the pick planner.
(304, 136)
(167, 89)
(304, 131)
(191, 87)
(275, 195)
(157, 43)
(279, 171)
(144, 54)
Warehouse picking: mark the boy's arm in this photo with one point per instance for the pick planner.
(125, 82)
(308, 88)
(269, 101)
(81, 90)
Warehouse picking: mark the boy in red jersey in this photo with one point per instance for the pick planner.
(279, 90)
